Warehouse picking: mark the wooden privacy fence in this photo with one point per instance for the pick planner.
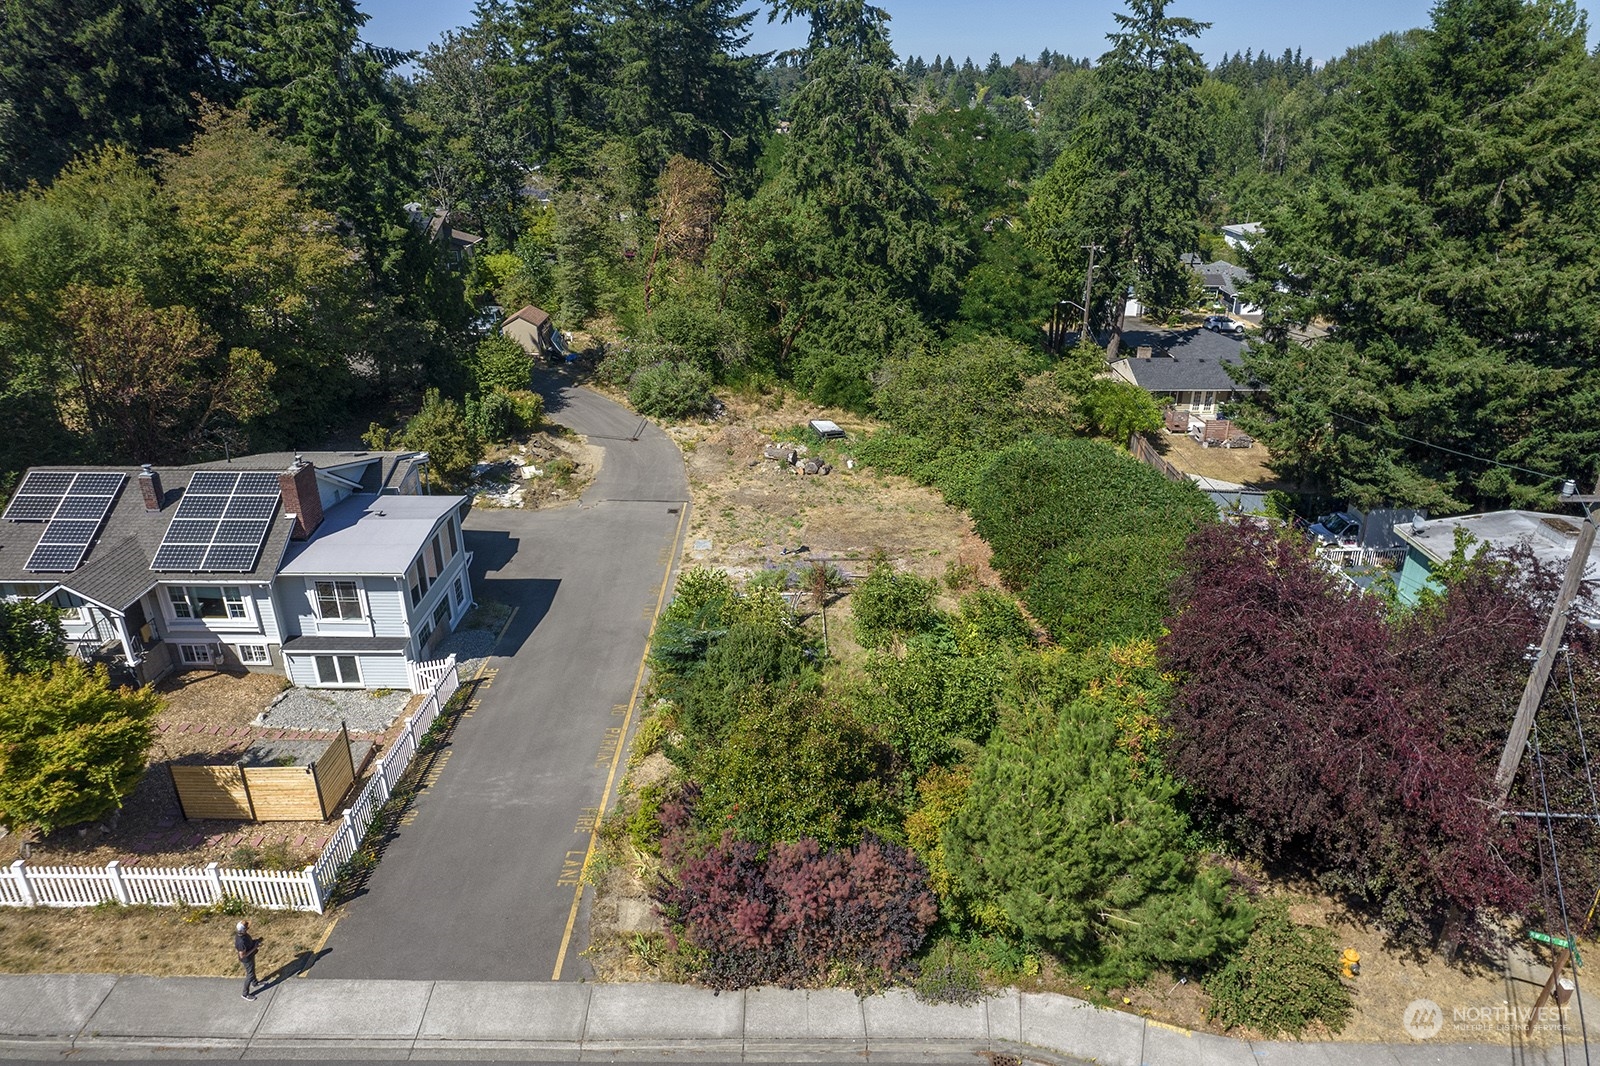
(305, 793)
(1146, 453)
(22, 885)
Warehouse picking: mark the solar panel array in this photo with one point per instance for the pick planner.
(73, 504)
(220, 523)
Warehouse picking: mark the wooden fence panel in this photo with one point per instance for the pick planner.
(335, 773)
(211, 791)
(283, 793)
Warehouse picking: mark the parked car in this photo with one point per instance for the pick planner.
(1224, 324)
(1341, 528)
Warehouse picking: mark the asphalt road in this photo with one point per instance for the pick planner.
(481, 881)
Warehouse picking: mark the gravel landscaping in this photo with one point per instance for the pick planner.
(364, 711)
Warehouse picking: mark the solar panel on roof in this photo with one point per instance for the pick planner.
(181, 532)
(73, 503)
(251, 507)
(201, 507)
(197, 540)
(32, 508)
(59, 532)
(97, 484)
(258, 485)
(179, 557)
(56, 558)
(84, 508)
(252, 533)
(47, 482)
(239, 557)
(212, 483)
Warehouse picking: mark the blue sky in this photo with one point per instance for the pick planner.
(1321, 30)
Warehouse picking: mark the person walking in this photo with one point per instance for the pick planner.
(246, 945)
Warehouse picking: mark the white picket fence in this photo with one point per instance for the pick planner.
(426, 676)
(22, 885)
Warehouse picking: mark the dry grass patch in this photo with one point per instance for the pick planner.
(156, 941)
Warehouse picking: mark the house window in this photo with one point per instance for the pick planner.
(419, 582)
(338, 670)
(254, 654)
(441, 613)
(429, 561)
(461, 596)
(207, 601)
(438, 555)
(423, 636)
(195, 654)
(338, 600)
(450, 531)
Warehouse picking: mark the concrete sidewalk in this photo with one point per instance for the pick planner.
(89, 1016)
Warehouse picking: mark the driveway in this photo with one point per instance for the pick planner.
(481, 882)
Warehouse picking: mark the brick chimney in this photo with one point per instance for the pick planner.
(301, 497)
(150, 487)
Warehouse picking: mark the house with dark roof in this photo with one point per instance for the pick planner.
(1193, 370)
(332, 568)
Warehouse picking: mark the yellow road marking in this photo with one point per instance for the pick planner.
(498, 638)
(322, 942)
(616, 759)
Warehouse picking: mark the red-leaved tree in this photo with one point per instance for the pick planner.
(1317, 731)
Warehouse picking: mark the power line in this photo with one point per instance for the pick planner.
(1442, 448)
(1561, 900)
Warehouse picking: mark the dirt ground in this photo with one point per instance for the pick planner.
(207, 714)
(548, 468)
(748, 511)
(156, 941)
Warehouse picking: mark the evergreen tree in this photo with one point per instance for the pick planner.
(1134, 174)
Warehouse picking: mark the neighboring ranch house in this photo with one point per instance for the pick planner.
(1192, 371)
(531, 327)
(328, 568)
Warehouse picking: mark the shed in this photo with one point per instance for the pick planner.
(273, 781)
(531, 327)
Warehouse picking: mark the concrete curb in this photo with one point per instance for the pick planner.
(86, 1015)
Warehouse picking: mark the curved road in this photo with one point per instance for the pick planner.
(480, 882)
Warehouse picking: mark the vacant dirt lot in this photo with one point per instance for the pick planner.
(749, 510)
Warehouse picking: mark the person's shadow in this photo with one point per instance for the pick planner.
(295, 967)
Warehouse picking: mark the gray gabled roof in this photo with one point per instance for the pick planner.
(1191, 360)
(116, 571)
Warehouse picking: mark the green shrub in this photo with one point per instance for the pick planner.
(670, 390)
(500, 363)
(889, 605)
(244, 857)
(442, 430)
(501, 414)
(276, 856)
(1284, 980)
(644, 824)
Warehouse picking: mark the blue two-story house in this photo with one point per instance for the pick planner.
(333, 569)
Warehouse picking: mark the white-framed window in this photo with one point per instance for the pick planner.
(195, 654)
(339, 601)
(461, 596)
(225, 602)
(441, 613)
(423, 636)
(450, 531)
(338, 670)
(254, 654)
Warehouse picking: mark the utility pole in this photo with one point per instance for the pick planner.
(1088, 284)
(1554, 630)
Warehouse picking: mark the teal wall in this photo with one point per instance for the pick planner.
(1415, 574)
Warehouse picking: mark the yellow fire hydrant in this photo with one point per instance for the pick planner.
(1350, 959)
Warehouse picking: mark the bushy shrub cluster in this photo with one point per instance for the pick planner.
(1284, 980)
(1087, 533)
(670, 390)
(801, 913)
